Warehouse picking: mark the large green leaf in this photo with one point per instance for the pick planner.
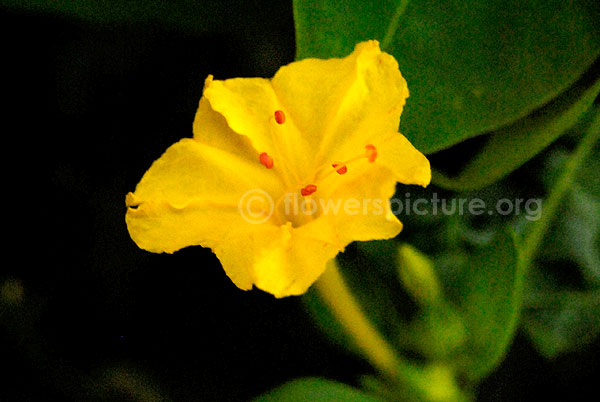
(315, 389)
(471, 66)
(511, 146)
(489, 293)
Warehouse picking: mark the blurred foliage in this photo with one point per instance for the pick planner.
(467, 330)
(486, 283)
(561, 316)
(562, 321)
(315, 389)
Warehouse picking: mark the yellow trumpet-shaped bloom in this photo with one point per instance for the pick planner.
(282, 174)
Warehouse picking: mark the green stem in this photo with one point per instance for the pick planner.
(534, 238)
(393, 26)
(434, 382)
(347, 311)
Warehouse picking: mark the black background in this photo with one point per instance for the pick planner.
(87, 108)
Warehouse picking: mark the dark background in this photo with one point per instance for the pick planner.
(88, 107)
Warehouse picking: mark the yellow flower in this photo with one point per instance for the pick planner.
(282, 174)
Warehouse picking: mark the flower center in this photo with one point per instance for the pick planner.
(299, 204)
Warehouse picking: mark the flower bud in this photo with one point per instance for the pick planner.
(417, 274)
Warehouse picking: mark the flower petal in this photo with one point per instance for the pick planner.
(211, 128)
(296, 259)
(408, 164)
(394, 151)
(280, 260)
(187, 177)
(358, 210)
(249, 106)
(190, 170)
(158, 226)
(334, 101)
(364, 211)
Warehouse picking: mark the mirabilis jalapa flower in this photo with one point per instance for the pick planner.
(322, 131)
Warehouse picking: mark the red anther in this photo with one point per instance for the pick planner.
(371, 153)
(279, 117)
(266, 160)
(341, 170)
(308, 190)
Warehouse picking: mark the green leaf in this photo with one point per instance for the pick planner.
(315, 389)
(573, 236)
(561, 316)
(438, 332)
(558, 322)
(472, 66)
(489, 293)
(588, 178)
(511, 146)
(535, 232)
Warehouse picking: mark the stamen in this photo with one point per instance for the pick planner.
(342, 169)
(279, 117)
(308, 190)
(371, 153)
(266, 160)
